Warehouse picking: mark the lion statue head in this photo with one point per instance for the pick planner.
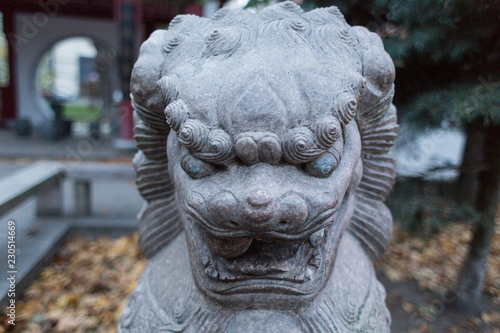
(265, 138)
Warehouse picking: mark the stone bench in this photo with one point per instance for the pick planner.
(85, 173)
(42, 180)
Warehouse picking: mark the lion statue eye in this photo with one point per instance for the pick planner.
(197, 168)
(324, 165)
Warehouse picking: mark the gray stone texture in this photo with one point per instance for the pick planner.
(264, 162)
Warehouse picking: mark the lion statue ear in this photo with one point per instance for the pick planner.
(159, 222)
(377, 122)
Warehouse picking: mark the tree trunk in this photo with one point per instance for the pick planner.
(471, 278)
(471, 162)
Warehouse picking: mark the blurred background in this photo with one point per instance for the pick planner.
(64, 96)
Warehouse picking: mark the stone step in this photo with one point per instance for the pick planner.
(34, 250)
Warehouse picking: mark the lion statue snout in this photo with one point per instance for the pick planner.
(259, 210)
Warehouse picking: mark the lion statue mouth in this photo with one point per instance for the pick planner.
(260, 263)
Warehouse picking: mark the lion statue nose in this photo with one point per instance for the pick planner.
(259, 198)
(259, 211)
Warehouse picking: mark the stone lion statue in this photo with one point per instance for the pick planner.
(263, 159)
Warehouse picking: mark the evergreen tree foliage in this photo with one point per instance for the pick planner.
(455, 105)
(448, 52)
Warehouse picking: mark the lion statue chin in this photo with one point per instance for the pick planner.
(264, 162)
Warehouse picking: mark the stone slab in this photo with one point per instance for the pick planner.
(28, 182)
(34, 250)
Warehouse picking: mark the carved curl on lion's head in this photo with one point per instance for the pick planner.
(278, 125)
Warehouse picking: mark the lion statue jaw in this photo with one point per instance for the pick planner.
(264, 138)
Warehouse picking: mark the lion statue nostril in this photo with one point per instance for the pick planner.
(292, 212)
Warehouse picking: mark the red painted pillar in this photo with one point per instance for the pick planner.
(128, 11)
(8, 94)
(127, 120)
(193, 8)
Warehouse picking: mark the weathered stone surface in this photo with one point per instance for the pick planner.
(264, 162)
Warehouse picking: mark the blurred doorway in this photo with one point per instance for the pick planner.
(78, 79)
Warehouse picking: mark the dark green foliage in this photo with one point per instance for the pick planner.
(450, 30)
(455, 105)
(449, 50)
